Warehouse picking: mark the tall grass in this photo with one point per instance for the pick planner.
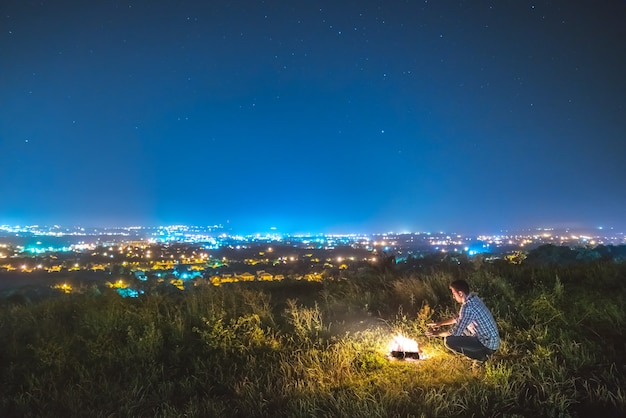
(250, 351)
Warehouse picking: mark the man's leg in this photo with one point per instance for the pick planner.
(468, 346)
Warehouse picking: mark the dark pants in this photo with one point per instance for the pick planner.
(468, 346)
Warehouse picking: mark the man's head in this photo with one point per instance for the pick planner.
(460, 289)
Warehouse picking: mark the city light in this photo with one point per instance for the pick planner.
(181, 261)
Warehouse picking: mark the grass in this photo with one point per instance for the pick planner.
(249, 350)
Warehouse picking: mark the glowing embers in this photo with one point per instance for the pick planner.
(403, 348)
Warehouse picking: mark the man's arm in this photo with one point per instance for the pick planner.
(432, 331)
(449, 321)
(467, 314)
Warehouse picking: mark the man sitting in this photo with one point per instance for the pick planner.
(475, 333)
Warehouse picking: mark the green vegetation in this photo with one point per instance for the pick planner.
(298, 349)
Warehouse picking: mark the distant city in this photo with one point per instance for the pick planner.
(36, 239)
(56, 257)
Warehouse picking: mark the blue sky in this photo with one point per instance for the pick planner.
(329, 116)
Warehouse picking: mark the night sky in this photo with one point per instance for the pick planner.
(314, 116)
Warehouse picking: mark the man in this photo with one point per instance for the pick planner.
(475, 333)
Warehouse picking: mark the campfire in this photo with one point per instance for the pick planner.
(404, 348)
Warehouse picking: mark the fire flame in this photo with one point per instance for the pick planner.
(401, 343)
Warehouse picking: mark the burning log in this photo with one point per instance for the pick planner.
(404, 348)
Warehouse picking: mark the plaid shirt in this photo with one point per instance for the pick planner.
(475, 320)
